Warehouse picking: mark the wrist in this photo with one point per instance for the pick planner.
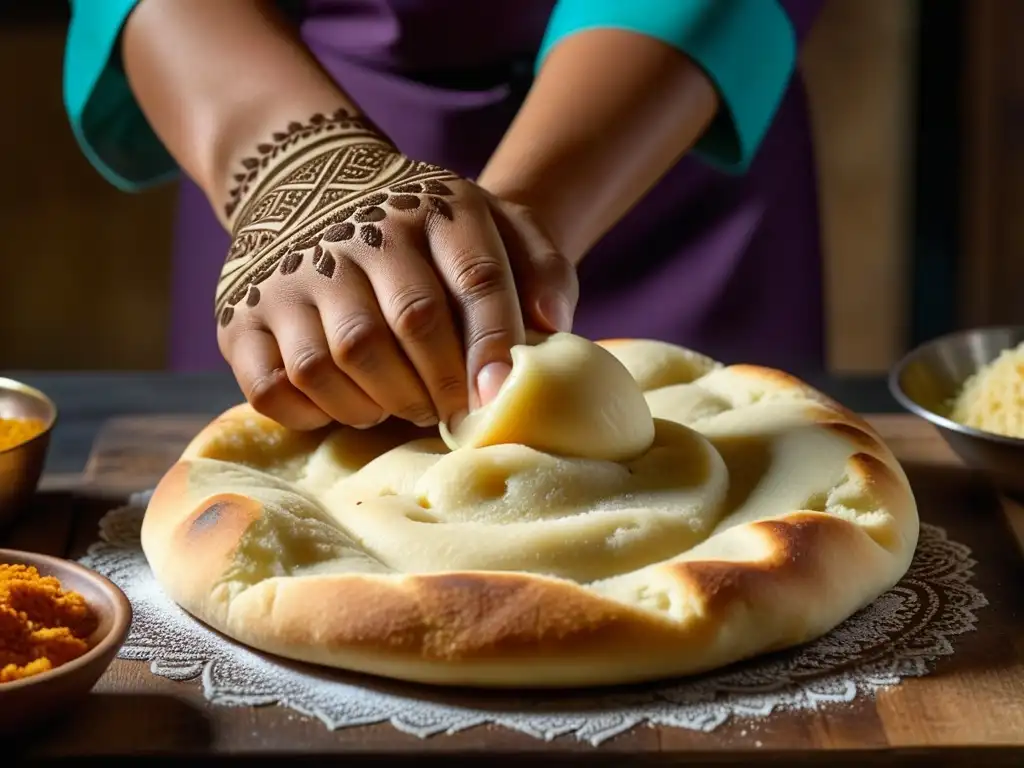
(581, 156)
(212, 103)
(550, 190)
(291, 147)
(541, 190)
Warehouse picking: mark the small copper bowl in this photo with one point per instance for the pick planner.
(33, 700)
(21, 465)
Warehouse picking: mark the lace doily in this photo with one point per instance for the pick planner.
(900, 635)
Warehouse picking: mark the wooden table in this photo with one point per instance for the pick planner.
(969, 711)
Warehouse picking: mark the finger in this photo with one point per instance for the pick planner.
(363, 346)
(546, 280)
(474, 266)
(311, 368)
(255, 360)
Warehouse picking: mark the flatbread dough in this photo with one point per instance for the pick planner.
(623, 511)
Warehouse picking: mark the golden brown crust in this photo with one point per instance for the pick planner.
(752, 587)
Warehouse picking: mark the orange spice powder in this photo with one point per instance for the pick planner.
(41, 625)
(16, 431)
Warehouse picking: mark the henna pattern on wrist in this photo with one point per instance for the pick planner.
(318, 184)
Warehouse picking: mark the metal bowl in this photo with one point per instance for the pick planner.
(22, 465)
(928, 378)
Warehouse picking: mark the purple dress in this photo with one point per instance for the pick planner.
(727, 265)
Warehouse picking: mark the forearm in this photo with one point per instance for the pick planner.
(217, 79)
(609, 113)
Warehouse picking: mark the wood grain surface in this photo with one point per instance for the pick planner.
(969, 711)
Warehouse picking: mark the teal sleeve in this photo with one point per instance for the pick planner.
(747, 48)
(106, 120)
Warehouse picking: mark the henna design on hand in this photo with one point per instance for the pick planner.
(319, 183)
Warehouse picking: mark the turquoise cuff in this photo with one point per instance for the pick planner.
(105, 118)
(747, 48)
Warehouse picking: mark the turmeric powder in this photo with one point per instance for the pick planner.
(41, 625)
(15, 431)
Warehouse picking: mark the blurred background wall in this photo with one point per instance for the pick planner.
(85, 269)
(918, 112)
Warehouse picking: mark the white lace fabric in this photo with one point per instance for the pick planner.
(901, 634)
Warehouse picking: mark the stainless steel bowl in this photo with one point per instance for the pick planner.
(22, 465)
(928, 378)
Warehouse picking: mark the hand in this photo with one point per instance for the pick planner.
(361, 284)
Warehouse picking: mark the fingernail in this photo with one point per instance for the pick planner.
(381, 420)
(456, 419)
(490, 379)
(427, 421)
(556, 311)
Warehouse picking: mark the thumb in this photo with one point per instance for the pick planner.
(549, 290)
(545, 279)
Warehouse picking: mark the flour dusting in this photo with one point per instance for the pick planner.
(901, 634)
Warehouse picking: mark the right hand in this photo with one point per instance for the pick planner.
(361, 284)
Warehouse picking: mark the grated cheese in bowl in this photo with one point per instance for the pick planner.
(992, 400)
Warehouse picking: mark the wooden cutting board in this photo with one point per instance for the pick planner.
(969, 711)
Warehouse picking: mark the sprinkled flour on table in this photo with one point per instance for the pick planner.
(900, 635)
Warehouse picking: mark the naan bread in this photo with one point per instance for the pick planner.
(622, 512)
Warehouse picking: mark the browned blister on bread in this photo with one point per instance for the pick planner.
(749, 513)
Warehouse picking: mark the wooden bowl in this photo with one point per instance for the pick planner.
(31, 701)
(22, 465)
